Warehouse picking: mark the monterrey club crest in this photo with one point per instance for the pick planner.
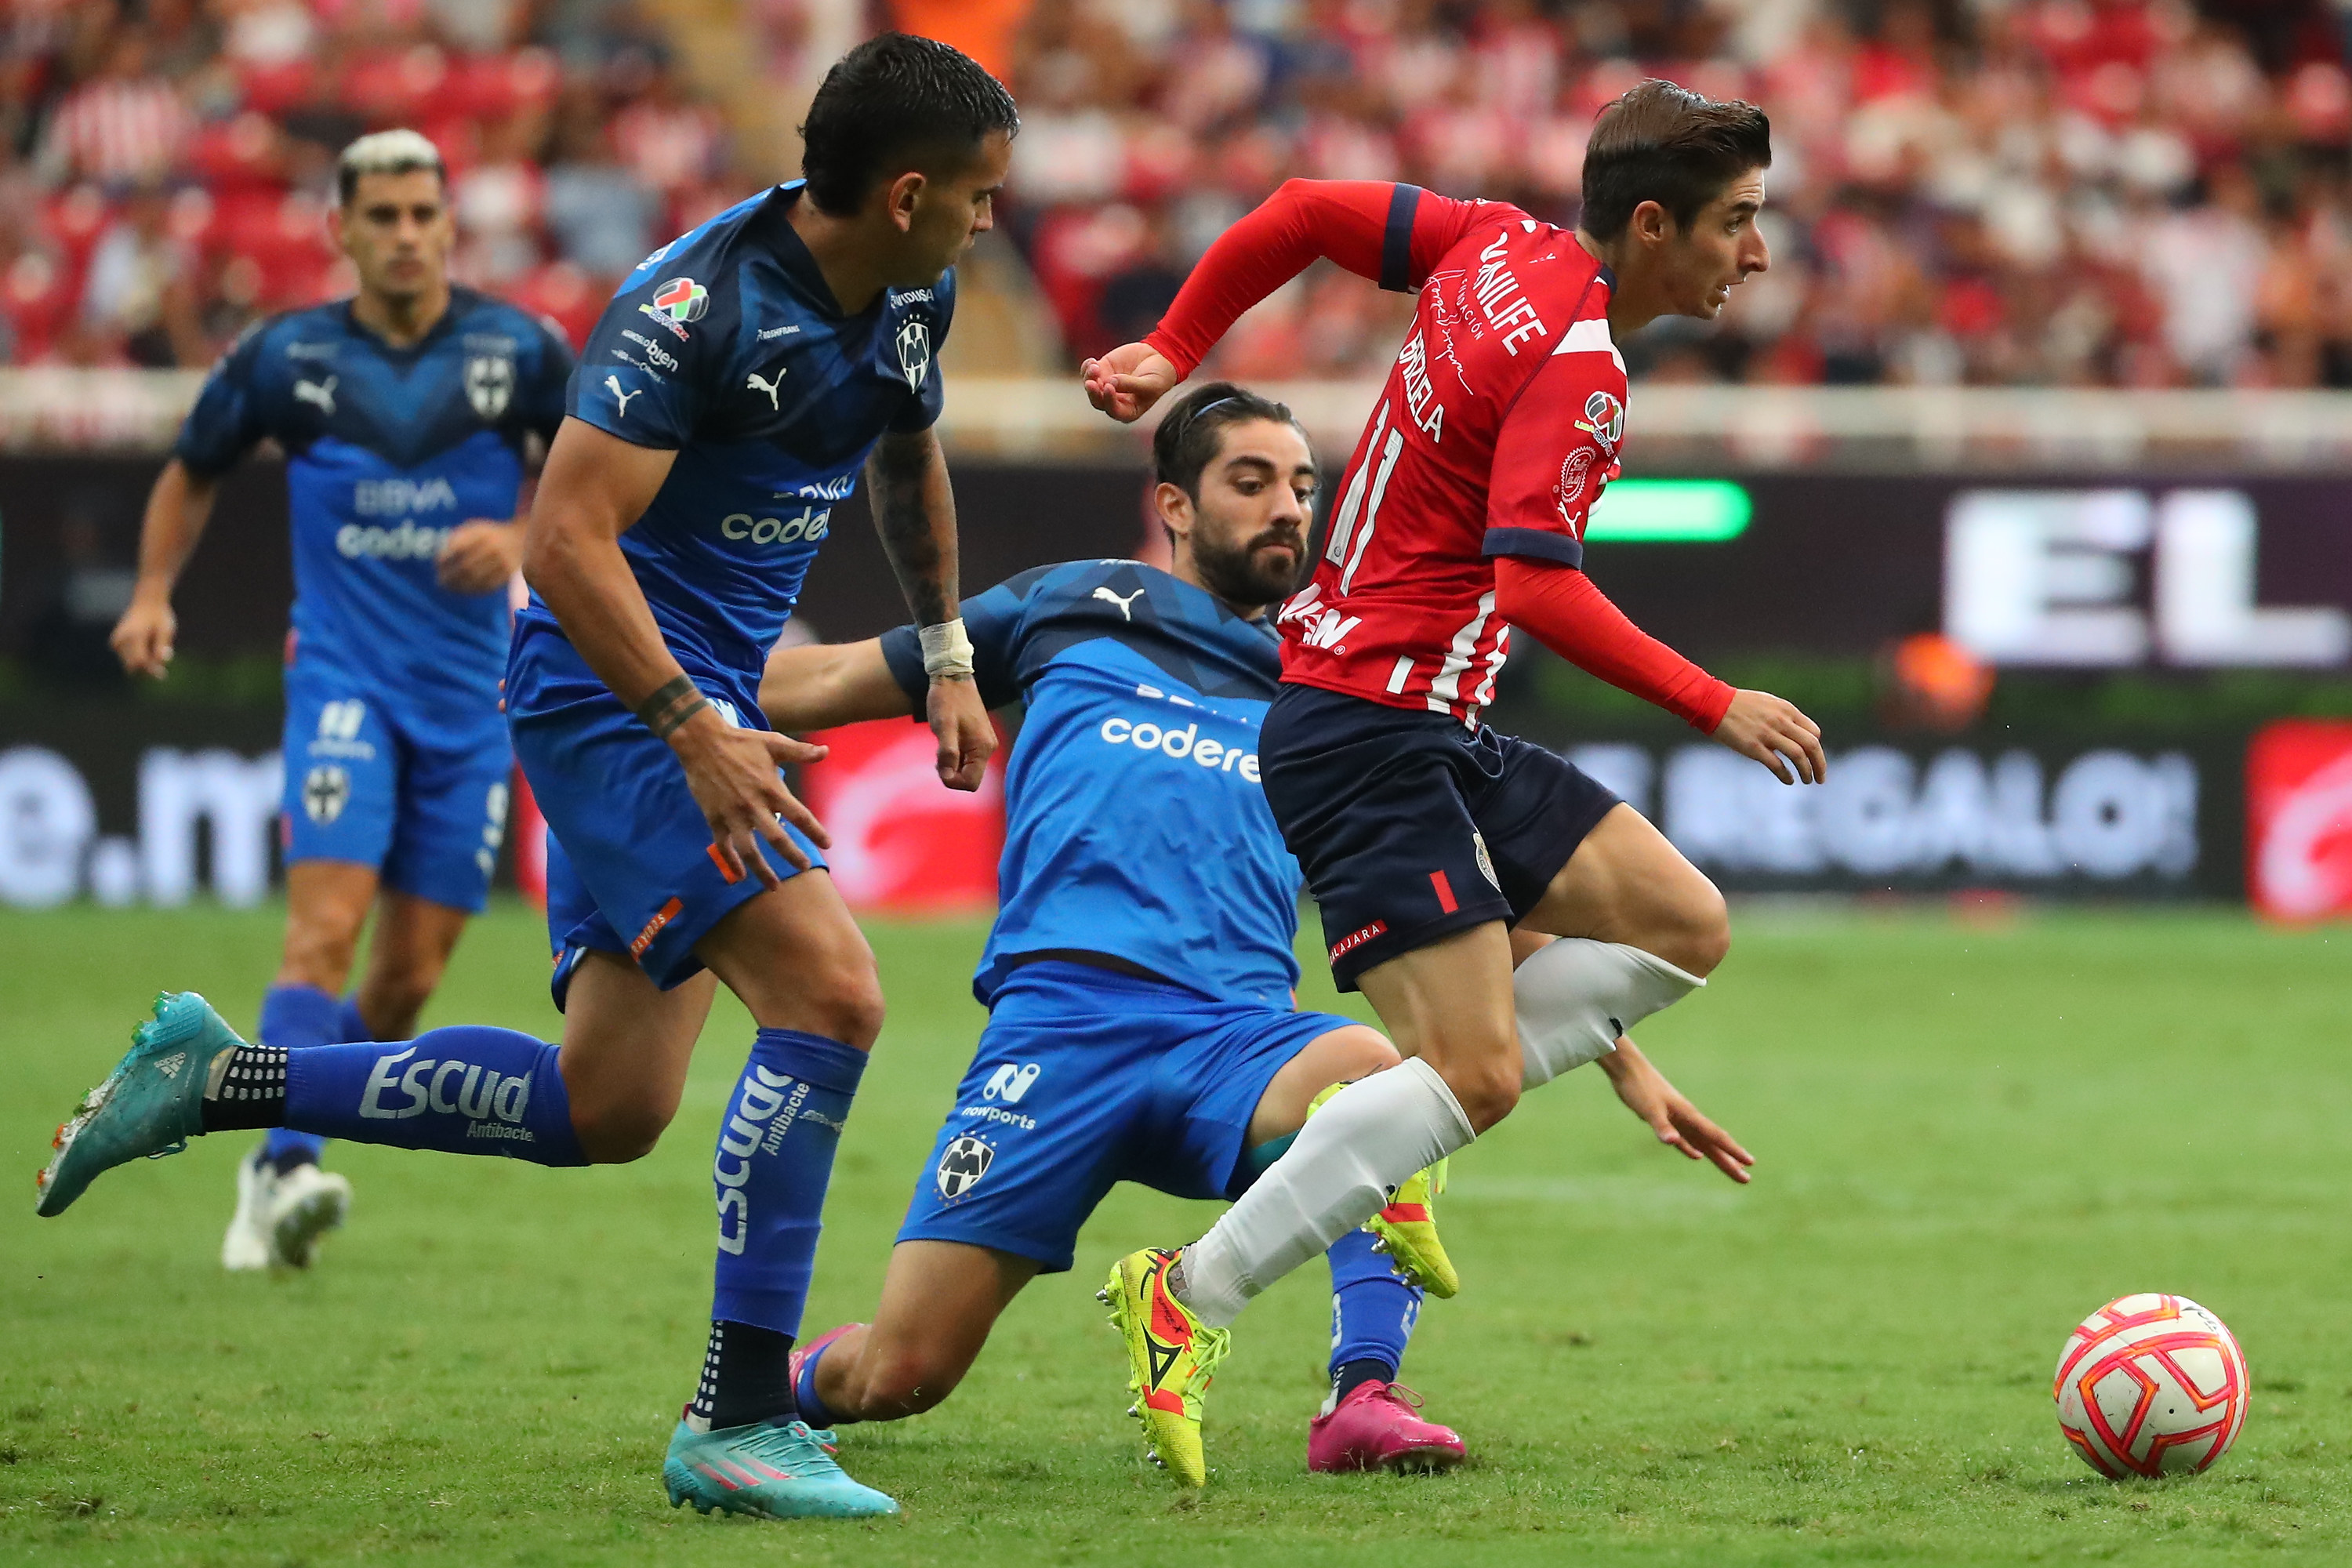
(960, 1167)
(915, 352)
(1604, 420)
(326, 790)
(682, 299)
(489, 384)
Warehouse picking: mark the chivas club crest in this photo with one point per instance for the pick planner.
(915, 352)
(490, 385)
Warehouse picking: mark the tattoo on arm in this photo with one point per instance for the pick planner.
(671, 704)
(914, 512)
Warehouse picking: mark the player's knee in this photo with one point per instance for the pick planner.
(617, 1134)
(1486, 1092)
(1700, 934)
(895, 1385)
(845, 996)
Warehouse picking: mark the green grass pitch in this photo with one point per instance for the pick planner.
(1969, 1138)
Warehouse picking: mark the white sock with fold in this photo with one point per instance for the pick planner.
(1575, 996)
(1367, 1141)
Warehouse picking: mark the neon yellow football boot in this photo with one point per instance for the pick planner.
(1170, 1354)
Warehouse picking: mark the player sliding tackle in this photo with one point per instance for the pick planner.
(735, 386)
(1426, 836)
(1140, 974)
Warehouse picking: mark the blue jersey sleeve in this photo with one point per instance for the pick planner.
(227, 418)
(658, 350)
(545, 388)
(993, 620)
(922, 407)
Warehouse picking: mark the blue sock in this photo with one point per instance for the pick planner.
(464, 1090)
(812, 1408)
(1372, 1314)
(775, 1156)
(296, 1018)
(349, 1027)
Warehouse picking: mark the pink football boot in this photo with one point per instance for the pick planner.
(1379, 1427)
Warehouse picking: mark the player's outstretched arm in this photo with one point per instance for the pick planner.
(595, 488)
(177, 509)
(819, 684)
(914, 511)
(1671, 1115)
(1392, 234)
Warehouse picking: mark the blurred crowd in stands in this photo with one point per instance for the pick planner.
(2139, 193)
(164, 164)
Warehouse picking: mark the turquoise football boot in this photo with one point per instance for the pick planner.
(149, 1105)
(774, 1472)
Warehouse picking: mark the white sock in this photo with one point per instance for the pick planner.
(1575, 996)
(1367, 1141)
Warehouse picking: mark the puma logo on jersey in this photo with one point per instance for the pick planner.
(321, 393)
(621, 398)
(752, 382)
(1126, 606)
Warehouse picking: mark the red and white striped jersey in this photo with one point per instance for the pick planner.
(1498, 425)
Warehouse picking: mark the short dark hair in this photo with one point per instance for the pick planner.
(1667, 145)
(891, 102)
(1195, 430)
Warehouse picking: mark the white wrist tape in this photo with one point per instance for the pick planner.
(946, 651)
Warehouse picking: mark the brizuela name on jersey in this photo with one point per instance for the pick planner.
(1496, 427)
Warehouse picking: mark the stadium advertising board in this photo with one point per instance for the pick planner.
(2299, 820)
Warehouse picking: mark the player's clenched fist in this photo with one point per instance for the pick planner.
(1776, 733)
(143, 637)
(479, 554)
(960, 719)
(1126, 382)
(732, 774)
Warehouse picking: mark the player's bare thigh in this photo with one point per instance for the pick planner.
(939, 1300)
(626, 1044)
(327, 903)
(407, 955)
(1450, 1005)
(1626, 883)
(1340, 1056)
(798, 961)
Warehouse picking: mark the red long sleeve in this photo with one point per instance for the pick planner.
(1561, 608)
(1388, 233)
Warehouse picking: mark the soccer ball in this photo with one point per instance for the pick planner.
(2150, 1385)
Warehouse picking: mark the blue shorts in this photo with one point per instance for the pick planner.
(1085, 1078)
(370, 780)
(1411, 827)
(630, 865)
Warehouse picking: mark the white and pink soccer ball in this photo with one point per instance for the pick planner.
(2151, 1386)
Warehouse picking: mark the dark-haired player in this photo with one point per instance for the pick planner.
(1140, 974)
(406, 414)
(1426, 836)
(738, 383)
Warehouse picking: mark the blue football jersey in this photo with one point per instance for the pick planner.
(726, 346)
(387, 450)
(1135, 822)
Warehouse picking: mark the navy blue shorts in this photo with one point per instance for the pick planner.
(420, 797)
(630, 865)
(1411, 827)
(1086, 1077)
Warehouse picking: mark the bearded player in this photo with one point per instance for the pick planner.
(1426, 837)
(1140, 972)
